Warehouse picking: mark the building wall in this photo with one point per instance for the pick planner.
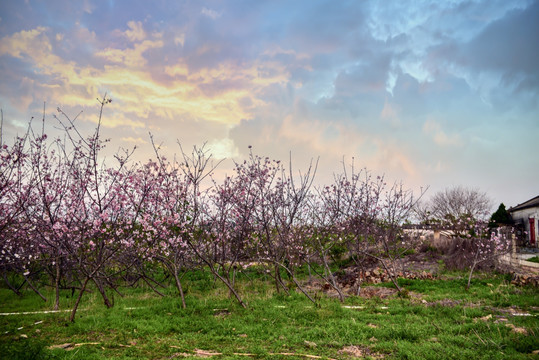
(523, 216)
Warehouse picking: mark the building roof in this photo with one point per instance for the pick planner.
(528, 204)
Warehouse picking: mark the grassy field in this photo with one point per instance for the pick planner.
(434, 319)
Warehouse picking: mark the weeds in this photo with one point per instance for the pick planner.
(433, 319)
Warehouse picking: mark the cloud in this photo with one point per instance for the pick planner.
(133, 140)
(223, 148)
(440, 137)
(212, 14)
(135, 32)
(497, 60)
(27, 42)
(88, 7)
(215, 95)
(179, 39)
(415, 90)
(132, 57)
(390, 114)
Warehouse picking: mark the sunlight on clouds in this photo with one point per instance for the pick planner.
(20, 43)
(177, 70)
(434, 129)
(259, 73)
(24, 101)
(313, 133)
(117, 116)
(389, 114)
(133, 140)
(377, 154)
(34, 45)
(132, 57)
(393, 158)
(135, 32)
(418, 91)
(126, 79)
(137, 91)
(223, 148)
(276, 50)
(224, 95)
(179, 39)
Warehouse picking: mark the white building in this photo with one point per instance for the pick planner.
(526, 216)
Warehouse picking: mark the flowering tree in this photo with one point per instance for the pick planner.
(230, 216)
(161, 192)
(50, 212)
(478, 244)
(278, 204)
(289, 209)
(362, 213)
(18, 252)
(326, 234)
(396, 208)
(99, 222)
(202, 234)
(256, 176)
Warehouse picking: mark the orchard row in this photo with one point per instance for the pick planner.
(68, 216)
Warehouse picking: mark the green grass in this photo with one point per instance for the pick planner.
(534, 259)
(433, 320)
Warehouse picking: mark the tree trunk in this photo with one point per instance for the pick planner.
(391, 275)
(233, 280)
(179, 286)
(276, 277)
(103, 293)
(35, 289)
(332, 282)
(298, 285)
(471, 270)
(389, 271)
(14, 289)
(151, 286)
(57, 285)
(74, 311)
(230, 287)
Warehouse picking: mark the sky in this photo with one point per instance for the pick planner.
(428, 93)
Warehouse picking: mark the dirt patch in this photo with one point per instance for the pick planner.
(359, 352)
(210, 353)
(517, 330)
(380, 292)
(512, 311)
(443, 302)
(70, 346)
(366, 292)
(221, 312)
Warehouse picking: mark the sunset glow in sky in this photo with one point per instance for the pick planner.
(433, 93)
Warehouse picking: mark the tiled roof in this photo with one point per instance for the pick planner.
(528, 204)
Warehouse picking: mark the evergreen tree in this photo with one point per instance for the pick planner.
(500, 217)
